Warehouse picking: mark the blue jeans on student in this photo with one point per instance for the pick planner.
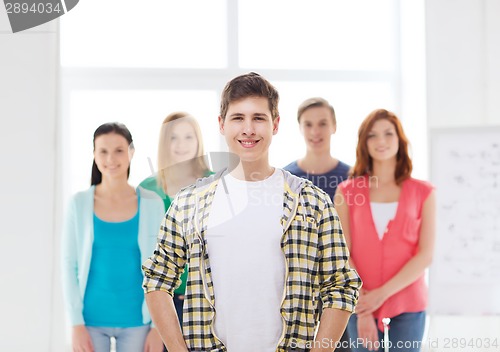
(405, 333)
(127, 339)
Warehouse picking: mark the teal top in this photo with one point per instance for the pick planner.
(151, 183)
(77, 246)
(113, 298)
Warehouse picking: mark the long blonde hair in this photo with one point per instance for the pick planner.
(164, 159)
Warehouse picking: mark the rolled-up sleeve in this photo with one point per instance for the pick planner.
(163, 269)
(339, 284)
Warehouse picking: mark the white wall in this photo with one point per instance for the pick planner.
(463, 89)
(463, 52)
(28, 148)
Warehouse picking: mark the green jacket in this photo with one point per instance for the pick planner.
(313, 245)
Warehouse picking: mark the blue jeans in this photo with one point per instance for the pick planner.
(127, 339)
(405, 333)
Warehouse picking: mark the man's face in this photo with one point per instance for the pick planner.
(248, 128)
(316, 125)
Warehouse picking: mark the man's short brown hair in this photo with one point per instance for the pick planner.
(249, 85)
(315, 103)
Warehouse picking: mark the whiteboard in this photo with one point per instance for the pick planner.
(464, 277)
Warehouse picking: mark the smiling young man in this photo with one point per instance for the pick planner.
(318, 124)
(261, 245)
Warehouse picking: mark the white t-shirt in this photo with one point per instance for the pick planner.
(248, 266)
(383, 213)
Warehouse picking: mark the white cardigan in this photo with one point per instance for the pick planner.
(78, 237)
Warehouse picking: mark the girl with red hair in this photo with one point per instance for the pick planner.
(388, 219)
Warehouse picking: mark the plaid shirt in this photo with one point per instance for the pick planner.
(313, 245)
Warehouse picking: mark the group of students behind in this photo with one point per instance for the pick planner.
(267, 301)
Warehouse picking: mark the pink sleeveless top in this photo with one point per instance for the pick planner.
(377, 260)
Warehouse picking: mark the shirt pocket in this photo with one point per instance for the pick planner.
(303, 227)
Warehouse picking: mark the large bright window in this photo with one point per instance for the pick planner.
(318, 34)
(154, 33)
(137, 62)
